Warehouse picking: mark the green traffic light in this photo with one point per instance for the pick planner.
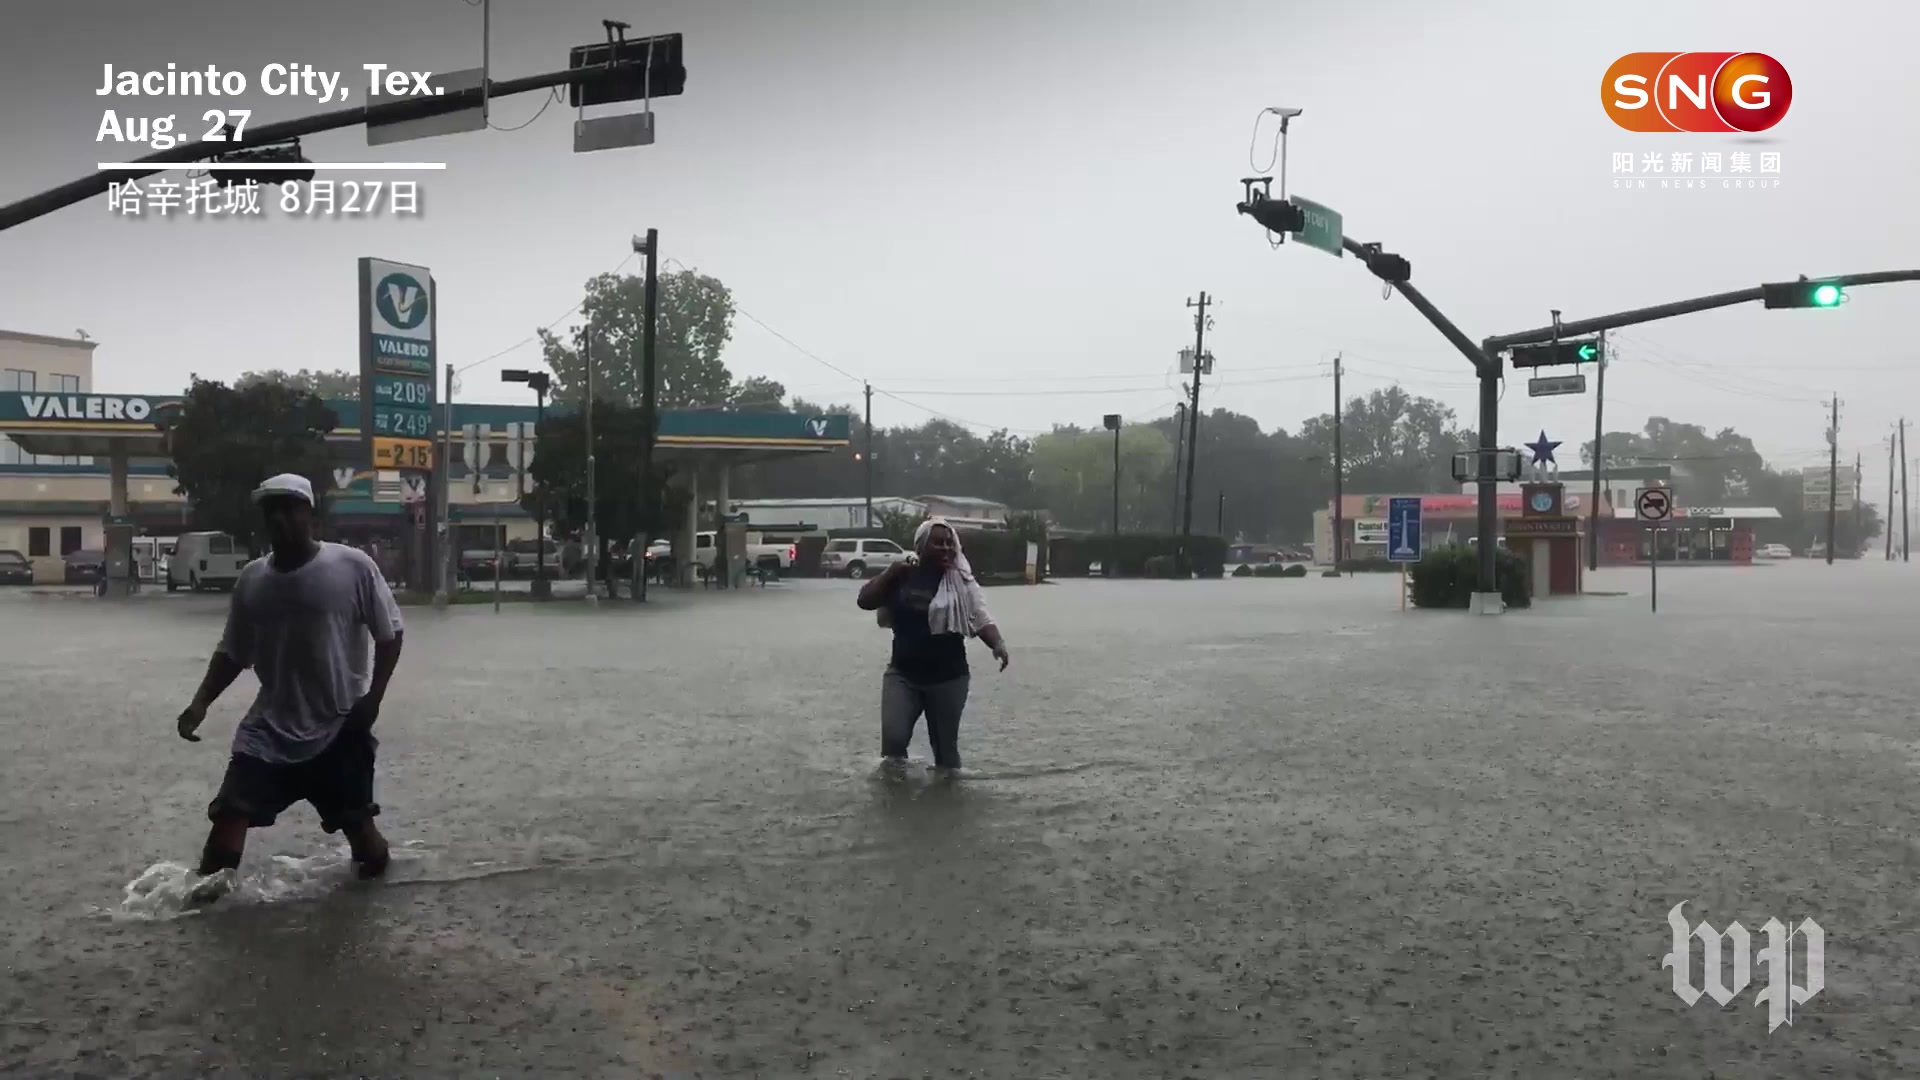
(1588, 352)
(1826, 295)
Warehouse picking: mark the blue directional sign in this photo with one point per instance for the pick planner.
(1403, 530)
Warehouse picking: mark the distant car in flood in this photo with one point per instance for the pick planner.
(84, 567)
(15, 569)
(1776, 551)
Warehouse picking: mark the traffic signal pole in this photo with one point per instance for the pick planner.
(96, 183)
(1486, 358)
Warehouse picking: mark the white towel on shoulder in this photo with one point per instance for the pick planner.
(959, 604)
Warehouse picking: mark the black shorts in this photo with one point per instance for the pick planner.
(338, 782)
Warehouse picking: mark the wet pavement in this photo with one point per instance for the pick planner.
(1225, 829)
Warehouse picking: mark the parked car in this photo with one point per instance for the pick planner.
(858, 558)
(85, 567)
(524, 558)
(15, 569)
(777, 556)
(1776, 551)
(206, 560)
(478, 565)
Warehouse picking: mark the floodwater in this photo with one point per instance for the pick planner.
(1246, 828)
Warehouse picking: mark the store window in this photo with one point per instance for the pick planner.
(69, 539)
(39, 541)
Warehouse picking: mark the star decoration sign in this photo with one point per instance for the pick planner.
(1543, 448)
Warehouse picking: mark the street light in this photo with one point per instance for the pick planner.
(541, 382)
(1112, 421)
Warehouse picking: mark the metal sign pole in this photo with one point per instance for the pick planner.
(1653, 566)
(496, 558)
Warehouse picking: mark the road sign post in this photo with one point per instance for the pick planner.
(1653, 506)
(1403, 537)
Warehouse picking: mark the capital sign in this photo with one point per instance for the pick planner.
(1777, 990)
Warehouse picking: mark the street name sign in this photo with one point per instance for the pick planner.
(1322, 228)
(1556, 385)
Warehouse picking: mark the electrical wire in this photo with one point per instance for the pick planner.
(544, 106)
(535, 336)
(1254, 141)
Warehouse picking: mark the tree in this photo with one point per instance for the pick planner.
(1392, 441)
(759, 393)
(695, 324)
(560, 478)
(224, 441)
(328, 385)
(1073, 477)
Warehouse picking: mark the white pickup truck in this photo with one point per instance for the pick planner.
(705, 552)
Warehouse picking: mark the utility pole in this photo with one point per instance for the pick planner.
(1599, 459)
(1905, 519)
(1859, 505)
(1112, 422)
(869, 460)
(1220, 521)
(1339, 469)
(1889, 522)
(1179, 453)
(593, 503)
(1193, 421)
(449, 556)
(649, 418)
(1833, 474)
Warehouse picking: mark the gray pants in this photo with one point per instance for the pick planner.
(901, 703)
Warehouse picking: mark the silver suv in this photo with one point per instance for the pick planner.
(858, 558)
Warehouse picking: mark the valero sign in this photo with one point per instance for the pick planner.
(397, 321)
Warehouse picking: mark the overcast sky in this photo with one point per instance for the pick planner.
(997, 211)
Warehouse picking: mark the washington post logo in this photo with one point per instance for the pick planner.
(1777, 990)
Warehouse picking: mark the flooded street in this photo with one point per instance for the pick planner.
(1244, 828)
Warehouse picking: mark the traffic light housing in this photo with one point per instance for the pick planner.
(1276, 215)
(636, 68)
(1558, 353)
(1803, 294)
(279, 155)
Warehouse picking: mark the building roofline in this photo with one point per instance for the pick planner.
(47, 339)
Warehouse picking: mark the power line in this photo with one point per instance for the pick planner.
(531, 338)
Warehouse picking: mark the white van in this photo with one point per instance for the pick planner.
(205, 560)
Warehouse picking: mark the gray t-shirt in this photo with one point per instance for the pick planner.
(305, 634)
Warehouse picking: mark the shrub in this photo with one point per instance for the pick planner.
(1276, 570)
(1296, 570)
(1447, 577)
(1243, 570)
(1162, 566)
(1126, 555)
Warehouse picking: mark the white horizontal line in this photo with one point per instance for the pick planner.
(275, 166)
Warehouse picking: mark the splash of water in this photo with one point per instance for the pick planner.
(169, 890)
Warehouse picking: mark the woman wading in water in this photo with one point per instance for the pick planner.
(933, 605)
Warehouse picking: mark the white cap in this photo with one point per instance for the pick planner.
(285, 484)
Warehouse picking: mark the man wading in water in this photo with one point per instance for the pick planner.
(300, 619)
(933, 605)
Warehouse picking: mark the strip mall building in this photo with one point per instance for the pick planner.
(72, 460)
(1695, 533)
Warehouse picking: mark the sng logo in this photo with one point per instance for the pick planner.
(1778, 993)
(401, 300)
(1696, 91)
(818, 425)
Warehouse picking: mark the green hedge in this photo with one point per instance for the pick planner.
(1127, 554)
(1448, 577)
